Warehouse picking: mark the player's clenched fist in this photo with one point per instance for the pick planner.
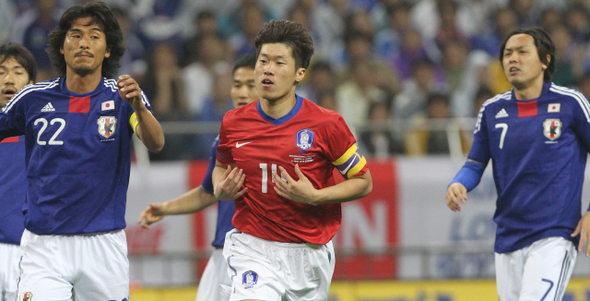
(456, 195)
(228, 186)
(129, 90)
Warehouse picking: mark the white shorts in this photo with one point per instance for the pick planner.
(79, 267)
(9, 258)
(540, 271)
(214, 276)
(275, 271)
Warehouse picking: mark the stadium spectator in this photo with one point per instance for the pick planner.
(78, 129)
(577, 19)
(164, 85)
(354, 96)
(462, 70)
(388, 40)
(412, 98)
(31, 30)
(377, 140)
(269, 208)
(17, 69)
(251, 18)
(215, 106)
(569, 65)
(412, 51)
(242, 93)
(133, 61)
(320, 79)
(538, 136)
(430, 133)
(208, 57)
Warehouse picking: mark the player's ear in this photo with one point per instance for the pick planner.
(300, 74)
(548, 62)
(107, 53)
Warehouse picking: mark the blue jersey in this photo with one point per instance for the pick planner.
(538, 150)
(12, 189)
(77, 155)
(225, 209)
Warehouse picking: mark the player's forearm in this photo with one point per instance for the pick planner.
(192, 201)
(351, 189)
(149, 130)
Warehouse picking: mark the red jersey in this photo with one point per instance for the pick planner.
(315, 138)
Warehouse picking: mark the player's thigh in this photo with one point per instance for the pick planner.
(104, 268)
(252, 273)
(310, 274)
(42, 270)
(9, 258)
(214, 276)
(548, 268)
(509, 271)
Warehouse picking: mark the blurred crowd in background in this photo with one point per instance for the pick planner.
(399, 72)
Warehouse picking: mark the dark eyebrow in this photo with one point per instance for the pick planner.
(517, 47)
(275, 56)
(80, 30)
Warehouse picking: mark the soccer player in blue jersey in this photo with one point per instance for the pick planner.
(242, 93)
(537, 136)
(77, 131)
(17, 69)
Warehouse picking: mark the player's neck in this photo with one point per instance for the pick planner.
(82, 84)
(529, 92)
(280, 107)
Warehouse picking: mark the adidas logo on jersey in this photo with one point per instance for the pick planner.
(48, 108)
(502, 114)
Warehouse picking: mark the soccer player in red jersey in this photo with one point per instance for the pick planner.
(275, 159)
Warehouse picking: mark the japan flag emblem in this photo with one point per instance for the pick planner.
(554, 108)
(107, 126)
(552, 128)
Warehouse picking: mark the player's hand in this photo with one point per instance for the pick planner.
(228, 187)
(152, 214)
(456, 195)
(129, 91)
(583, 229)
(301, 191)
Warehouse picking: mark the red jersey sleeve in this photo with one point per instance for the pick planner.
(224, 154)
(343, 152)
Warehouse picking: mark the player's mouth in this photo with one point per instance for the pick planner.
(9, 92)
(83, 54)
(513, 70)
(242, 103)
(267, 82)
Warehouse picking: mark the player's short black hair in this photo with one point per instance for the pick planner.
(291, 33)
(246, 61)
(101, 14)
(22, 55)
(544, 46)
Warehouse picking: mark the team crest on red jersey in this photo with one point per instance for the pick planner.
(552, 128)
(107, 126)
(305, 139)
(28, 296)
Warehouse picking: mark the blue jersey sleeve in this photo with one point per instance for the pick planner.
(581, 120)
(469, 175)
(207, 183)
(12, 117)
(480, 149)
(479, 155)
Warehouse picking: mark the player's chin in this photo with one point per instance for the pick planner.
(83, 69)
